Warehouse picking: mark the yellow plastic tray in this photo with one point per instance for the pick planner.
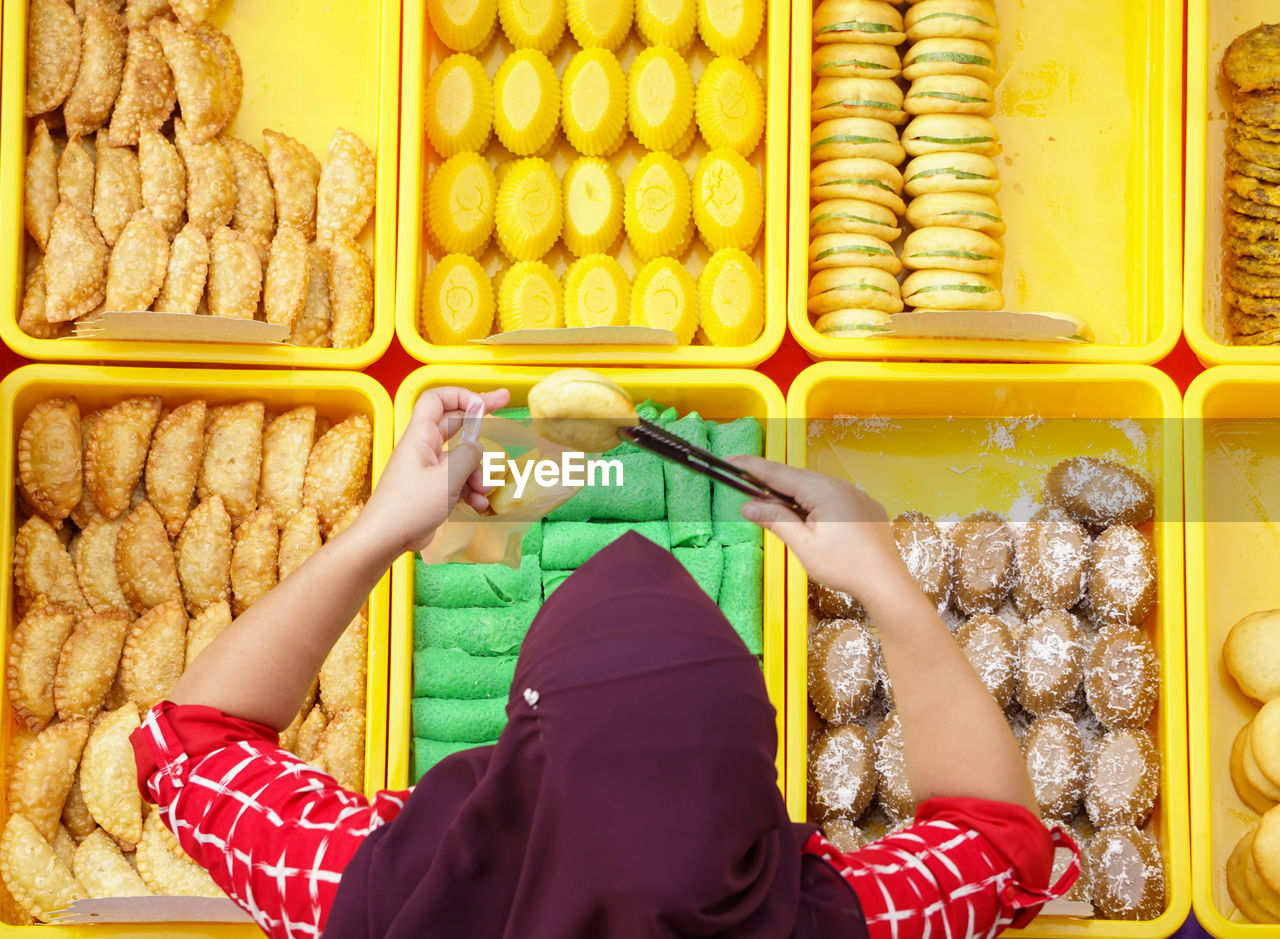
(308, 69)
(955, 438)
(717, 394)
(422, 52)
(1088, 105)
(1210, 28)
(336, 395)
(1233, 549)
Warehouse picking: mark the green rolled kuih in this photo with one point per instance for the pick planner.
(464, 585)
(455, 720)
(497, 630)
(742, 594)
(532, 543)
(743, 437)
(688, 493)
(640, 497)
(452, 673)
(553, 579)
(519, 415)
(566, 546)
(427, 753)
(705, 565)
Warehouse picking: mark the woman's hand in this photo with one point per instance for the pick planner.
(846, 542)
(422, 482)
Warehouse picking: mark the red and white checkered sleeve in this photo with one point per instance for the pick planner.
(274, 832)
(965, 867)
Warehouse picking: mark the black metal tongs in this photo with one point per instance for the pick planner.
(667, 445)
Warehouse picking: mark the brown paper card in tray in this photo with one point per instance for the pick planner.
(980, 324)
(151, 910)
(583, 336)
(152, 326)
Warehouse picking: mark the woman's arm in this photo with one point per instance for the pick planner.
(261, 666)
(956, 739)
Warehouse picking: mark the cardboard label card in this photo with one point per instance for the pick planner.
(149, 325)
(151, 910)
(583, 336)
(979, 324)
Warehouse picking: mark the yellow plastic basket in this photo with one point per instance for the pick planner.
(1088, 105)
(422, 52)
(1210, 28)
(1233, 547)
(717, 394)
(953, 438)
(336, 395)
(308, 69)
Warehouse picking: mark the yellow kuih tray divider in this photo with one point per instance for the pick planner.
(983, 436)
(716, 394)
(335, 395)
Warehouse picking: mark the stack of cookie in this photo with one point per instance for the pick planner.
(1252, 66)
(953, 253)
(855, 153)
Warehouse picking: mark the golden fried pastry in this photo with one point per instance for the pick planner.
(312, 327)
(284, 290)
(344, 520)
(76, 817)
(75, 265)
(33, 318)
(88, 662)
(44, 772)
(1099, 493)
(1054, 754)
(53, 54)
(117, 188)
(117, 452)
(1122, 577)
(204, 555)
(894, 787)
(1248, 207)
(299, 539)
(33, 873)
(340, 750)
(253, 559)
(49, 459)
(206, 74)
(94, 554)
(76, 174)
(85, 509)
(345, 192)
(109, 777)
(1238, 164)
(188, 269)
(1266, 251)
(842, 676)
(309, 733)
(1124, 778)
(1261, 152)
(147, 93)
(173, 463)
(144, 560)
(1053, 556)
(286, 448)
(42, 566)
(204, 627)
(1250, 61)
(842, 772)
(154, 656)
(191, 13)
(255, 213)
(64, 846)
(163, 181)
(1251, 284)
(102, 870)
(138, 262)
(350, 293)
(927, 552)
(990, 649)
(1254, 190)
(984, 566)
(233, 457)
(833, 604)
(211, 179)
(342, 676)
(295, 175)
(101, 67)
(40, 184)
(338, 469)
(235, 275)
(1127, 874)
(1051, 658)
(165, 868)
(1122, 678)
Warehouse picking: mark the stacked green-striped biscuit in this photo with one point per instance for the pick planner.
(469, 619)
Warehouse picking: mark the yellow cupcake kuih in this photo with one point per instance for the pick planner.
(460, 204)
(728, 200)
(533, 24)
(594, 103)
(529, 212)
(526, 98)
(457, 301)
(864, 21)
(458, 106)
(593, 206)
(596, 292)
(658, 208)
(667, 22)
(729, 105)
(659, 98)
(664, 295)
(730, 27)
(731, 299)
(529, 297)
(599, 25)
(856, 60)
(463, 25)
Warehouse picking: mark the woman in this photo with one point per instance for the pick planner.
(633, 791)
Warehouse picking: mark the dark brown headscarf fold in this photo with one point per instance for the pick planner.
(632, 794)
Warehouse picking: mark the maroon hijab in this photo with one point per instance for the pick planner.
(632, 794)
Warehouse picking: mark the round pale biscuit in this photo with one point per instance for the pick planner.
(844, 250)
(1238, 887)
(1248, 794)
(845, 288)
(869, 21)
(949, 56)
(952, 249)
(856, 60)
(1251, 654)
(951, 171)
(1263, 895)
(949, 94)
(1266, 852)
(1253, 772)
(1264, 740)
(852, 324)
(951, 290)
(847, 137)
(931, 133)
(855, 216)
(874, 98)
(967, 19)
(973, 210)
(857, 178)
